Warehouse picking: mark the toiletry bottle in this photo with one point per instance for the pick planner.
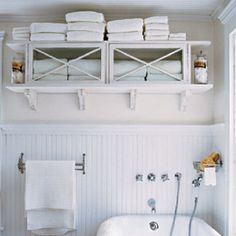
(200, 69)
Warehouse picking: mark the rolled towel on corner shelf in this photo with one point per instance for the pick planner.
(47, 37)
(50, 196)
(85, 36)
(48, 28)
(156, 19)
(45, 65)
(127, 36)
(87, 26)
(85, 16)
(125, 25)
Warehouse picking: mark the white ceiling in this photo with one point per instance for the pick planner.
(111, 8)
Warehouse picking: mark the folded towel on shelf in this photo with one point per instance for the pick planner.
(163, 77)
(87, 16)
(156, 37)
(84, 36)
(21, 30)
(122, 67)
(156, 19)
(48, 28)
(156, 26)
(50, 197)
(86, 26)
(130, 78)
(21, 36)
(171, 66)
(46, 65)
(52, 77)
(91, 66)
(127, 36)
(47, 37)
(156, 32)
(125, 25)
(177, 36)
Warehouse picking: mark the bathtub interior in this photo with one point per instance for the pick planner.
(139, 226)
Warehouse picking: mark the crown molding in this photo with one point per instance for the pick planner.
(228, 12)
(2, 33)
(61, 17)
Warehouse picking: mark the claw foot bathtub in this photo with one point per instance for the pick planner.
(153, 225)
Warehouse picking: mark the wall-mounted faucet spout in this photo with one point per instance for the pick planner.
(152, 204)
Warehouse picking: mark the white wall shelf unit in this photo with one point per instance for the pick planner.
(106, 84)
(183, 90)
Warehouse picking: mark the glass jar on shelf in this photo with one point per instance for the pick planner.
(201, 69)
(18, 70)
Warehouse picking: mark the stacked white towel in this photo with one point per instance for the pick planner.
(21, 33)
(50, 196)
(125, 30)
(85, 26)
(156, 28)
(48, 32)
(177, 36)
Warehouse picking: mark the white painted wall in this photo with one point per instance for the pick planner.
(115, 154)
(114, 108)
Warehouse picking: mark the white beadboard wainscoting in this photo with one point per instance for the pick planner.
(114, 155)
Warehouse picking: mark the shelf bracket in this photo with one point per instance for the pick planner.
(184, 96)
(32, 98)
(81, 96)
(132, 99)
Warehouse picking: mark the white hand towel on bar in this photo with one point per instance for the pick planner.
(84, 36)
(50, 196)
(156, 37)
(87, 16)
(156, 19)
(86, 26)
(125, 25)
(45, 65)
(156, 32)
(171, 66)
(127, 36)
(156, 26)
(47, 37)
(48, 28)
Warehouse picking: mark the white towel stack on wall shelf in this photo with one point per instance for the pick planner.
(125, 30)
(177, 36)
(85, 26)
(156, 28)
(48, 32)
(21, 33)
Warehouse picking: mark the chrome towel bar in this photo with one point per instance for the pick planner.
(21, 164)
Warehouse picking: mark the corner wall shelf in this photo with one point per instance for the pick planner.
(183, 90)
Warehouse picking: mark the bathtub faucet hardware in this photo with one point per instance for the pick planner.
(153, 225)
(78, 166)
(139, 177)
(152, 204)
(178, 176)
(151, 177)
(196, 182)
(164, 177)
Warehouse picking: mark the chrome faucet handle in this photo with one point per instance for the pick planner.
(151, 177)
(178, 175)
(164, 177)
(139, 177)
